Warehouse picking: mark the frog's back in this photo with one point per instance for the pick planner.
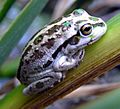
(43, 48)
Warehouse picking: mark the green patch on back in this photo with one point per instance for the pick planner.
(78, 12)
(67, 23)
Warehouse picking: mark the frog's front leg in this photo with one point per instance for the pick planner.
(67, 62)
(78, 56)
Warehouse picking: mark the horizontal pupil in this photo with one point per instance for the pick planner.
(87, 29)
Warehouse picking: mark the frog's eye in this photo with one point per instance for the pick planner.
(86, 30)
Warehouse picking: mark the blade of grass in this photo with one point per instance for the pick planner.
(99, 57)
(18, 27)
(110, 100)
(7, 5)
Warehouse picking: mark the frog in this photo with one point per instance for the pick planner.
(57, 48)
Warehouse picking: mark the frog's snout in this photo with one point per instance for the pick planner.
(103, 26)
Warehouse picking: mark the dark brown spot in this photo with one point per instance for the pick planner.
(38, 40)
(58, 35)
(49, 44)
(36, 50)
(29, 48)
(39, 85)
(26, 61)
(56, 28)
(31, 56)
(35, 69)
(38, 54)
(52, 30)
(75, 29)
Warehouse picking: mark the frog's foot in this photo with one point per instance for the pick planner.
(67, 62)
(43, 83)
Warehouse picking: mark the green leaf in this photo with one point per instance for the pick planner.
(18, 27)
(7, 5)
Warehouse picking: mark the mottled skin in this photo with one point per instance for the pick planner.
(57, 48)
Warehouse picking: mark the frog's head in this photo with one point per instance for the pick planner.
(89, 29)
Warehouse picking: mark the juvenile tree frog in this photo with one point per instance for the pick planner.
(56, 48)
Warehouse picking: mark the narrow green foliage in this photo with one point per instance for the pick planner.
(6, 7)
(18, 27)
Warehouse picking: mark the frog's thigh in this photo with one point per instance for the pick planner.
(43, 84)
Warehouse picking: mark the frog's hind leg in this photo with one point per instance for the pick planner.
(43, 83)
